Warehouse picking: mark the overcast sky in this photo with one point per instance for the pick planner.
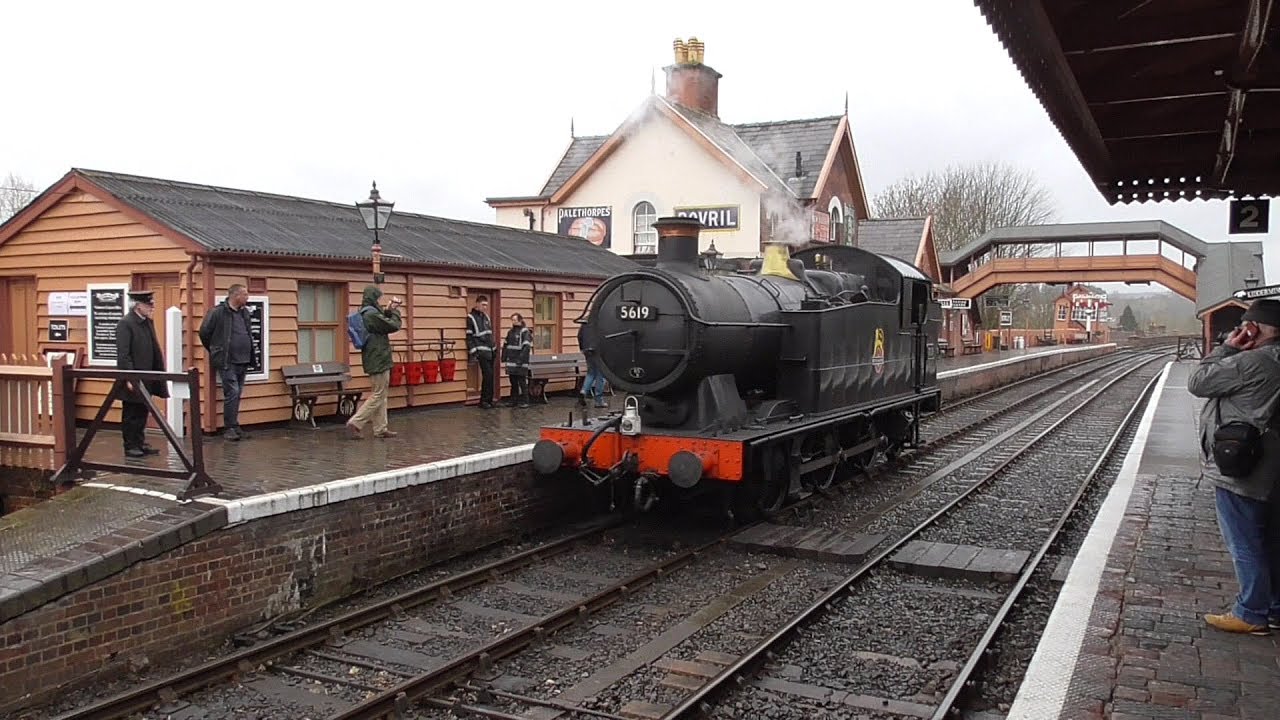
(445, 104)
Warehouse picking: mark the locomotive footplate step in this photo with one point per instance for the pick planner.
(809, 543)
(935, 559)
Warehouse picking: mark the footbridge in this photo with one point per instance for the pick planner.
(1138, 252)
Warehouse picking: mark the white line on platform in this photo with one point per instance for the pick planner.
(1048, 677)
(134, 490)
(1019, 358)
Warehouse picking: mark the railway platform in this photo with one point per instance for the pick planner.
(1126, 639)
(304, 514)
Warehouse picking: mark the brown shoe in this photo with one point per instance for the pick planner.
(1228, 622)
(354, 431)
(386, 434)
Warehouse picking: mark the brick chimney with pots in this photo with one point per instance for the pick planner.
(689, 82)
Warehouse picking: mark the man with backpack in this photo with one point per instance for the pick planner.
(1240, 455)
(369, 328)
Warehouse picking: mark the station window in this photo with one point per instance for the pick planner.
(643, 237)
(319, 321)
(546, 322)
(1062, 312)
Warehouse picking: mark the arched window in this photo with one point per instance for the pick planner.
(643, 237)
(837, 224)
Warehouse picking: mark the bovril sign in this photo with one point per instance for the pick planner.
(712, 217)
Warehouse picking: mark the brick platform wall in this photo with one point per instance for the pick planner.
(23, 487)
(963, 385)
(191, 598)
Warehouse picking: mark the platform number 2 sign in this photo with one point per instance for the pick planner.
(1249, 216)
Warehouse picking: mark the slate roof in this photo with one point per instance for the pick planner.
(241, 221)
(1223, 270)
(778, 142)
(898, 238)
(767, 150)
(579, 151)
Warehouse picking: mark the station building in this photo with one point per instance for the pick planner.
(792, 181)
(67, 259)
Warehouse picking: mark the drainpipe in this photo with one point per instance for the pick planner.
(408, 331)
(189, 313)
(210, 394)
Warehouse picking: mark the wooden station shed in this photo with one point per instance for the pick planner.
(66, 259)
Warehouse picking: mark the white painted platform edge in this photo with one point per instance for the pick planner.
(1018, 359)
(260, 506)
(1048, 677)
(134, 490)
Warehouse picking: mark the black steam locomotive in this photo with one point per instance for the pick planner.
(756, 385)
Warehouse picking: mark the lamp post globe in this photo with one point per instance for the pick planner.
(711, 257)
(376, 213)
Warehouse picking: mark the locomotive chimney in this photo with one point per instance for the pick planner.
(677, 241)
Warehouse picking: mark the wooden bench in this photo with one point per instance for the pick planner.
(945, 349)
(548, 368)
(972, 348)
(310, 381)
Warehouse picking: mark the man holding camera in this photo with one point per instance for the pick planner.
(1240, 454)
(379, 323)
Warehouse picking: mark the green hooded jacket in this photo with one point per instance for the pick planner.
(376, 354)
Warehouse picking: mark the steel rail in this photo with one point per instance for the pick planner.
(700, 701)
(398, 698)
(142, 698)
(962, 681)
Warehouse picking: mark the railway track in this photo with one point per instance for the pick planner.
(335, 669)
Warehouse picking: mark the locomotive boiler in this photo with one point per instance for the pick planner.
(752, 386)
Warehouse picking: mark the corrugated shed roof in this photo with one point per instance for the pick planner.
(1224, 269)
(241, 221)
(579, 151)
(776, 143)
(898, 238)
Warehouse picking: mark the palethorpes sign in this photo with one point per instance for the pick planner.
(595, 224)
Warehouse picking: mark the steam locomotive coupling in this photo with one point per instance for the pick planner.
(751, 388)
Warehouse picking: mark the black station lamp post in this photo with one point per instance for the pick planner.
(711, 257)
(376, 213)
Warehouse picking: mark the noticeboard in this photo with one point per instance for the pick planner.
(260, 331)
(1006, 318)
(108, 302)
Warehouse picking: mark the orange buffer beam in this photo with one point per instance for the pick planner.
(691, 458)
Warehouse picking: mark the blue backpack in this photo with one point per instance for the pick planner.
(356, 329)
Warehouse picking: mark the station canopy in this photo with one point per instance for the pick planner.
(1159, 99)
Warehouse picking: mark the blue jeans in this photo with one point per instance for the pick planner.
(1251, 530)
(232, 388)
(594, 378)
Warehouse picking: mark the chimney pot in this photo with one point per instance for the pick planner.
(690, 83)
(799, 168)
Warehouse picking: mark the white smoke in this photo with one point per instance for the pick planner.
(790, 222)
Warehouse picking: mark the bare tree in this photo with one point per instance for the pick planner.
(15, 193)
(968, 200)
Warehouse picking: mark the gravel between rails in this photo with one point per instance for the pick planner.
(928, 626)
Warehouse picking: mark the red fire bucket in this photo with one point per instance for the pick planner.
(398, 373)
(415, 373)
(447, 368)
(431, 369)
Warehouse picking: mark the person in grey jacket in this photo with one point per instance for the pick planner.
(226, 335)
(1241, 381)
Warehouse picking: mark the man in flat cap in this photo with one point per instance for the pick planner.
(138, 348)
(1240, 454)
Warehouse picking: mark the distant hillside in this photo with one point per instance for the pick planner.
(1175, 312)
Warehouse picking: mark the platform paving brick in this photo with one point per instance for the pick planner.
(293, 455)
(810, 543)
(1166, 569)
(936, 560)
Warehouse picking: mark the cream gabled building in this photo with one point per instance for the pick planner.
(795, 181)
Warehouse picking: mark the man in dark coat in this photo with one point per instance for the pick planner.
(516, 349)
(138, 348)
(375, 356)
(226, 334)
(480, 346)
